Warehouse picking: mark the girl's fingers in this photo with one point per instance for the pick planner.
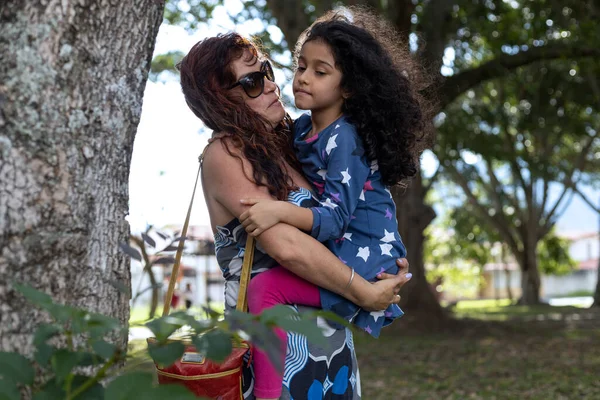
(385, 275)
(402, 263)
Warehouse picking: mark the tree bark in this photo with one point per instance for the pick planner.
(413, 217)
(597, 292)
(530, 277)
(71, 84)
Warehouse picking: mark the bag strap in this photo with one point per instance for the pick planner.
(242, 303)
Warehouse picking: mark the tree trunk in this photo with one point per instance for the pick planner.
(507, 273)
(71, 83)
(155, 293)
(413, 217)
(530, 277)
(597, 292)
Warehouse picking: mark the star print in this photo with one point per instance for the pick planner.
(381, 270)
(336, 197)
(322, 173)
(348, 236)
(388, 214)
(364, 253)
(377, 315)
(331, 144)
(368, 329)
(323, 154)
(385, 249)
(388, 313)
(346, 177)
(352, 217)
(337, 126)
(367, 186)
(362, 195)
(389, 237)
(329, 203)
(374, 166)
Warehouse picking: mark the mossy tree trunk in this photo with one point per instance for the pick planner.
(71, 84)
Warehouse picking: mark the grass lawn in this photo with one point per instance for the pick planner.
(503, 310)
(481, 363)
(524, 355)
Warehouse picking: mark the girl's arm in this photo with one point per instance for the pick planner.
(263, 214)
(345, 181)
(296, 251)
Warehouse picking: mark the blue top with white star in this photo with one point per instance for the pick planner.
(356, 218)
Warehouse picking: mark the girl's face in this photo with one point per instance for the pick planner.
(317, 79)
(267, 104)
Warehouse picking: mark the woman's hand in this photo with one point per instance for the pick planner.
(385, 291)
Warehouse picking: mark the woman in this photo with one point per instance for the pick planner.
(229, 86)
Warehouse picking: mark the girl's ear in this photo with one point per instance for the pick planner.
(346, 94)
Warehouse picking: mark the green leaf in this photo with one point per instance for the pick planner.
(50, 391)
(166, 354)
(104, 349)
(45, 332)
(129, 386)
(313, 333)
(215, 345)
(164, 327)
(33, 295)
(94, 392)
(63, 361)
(43, 354)
(16, 368)
(86, 359)
(99, 325)
(171, 392)
(130, 251)
(9, 390)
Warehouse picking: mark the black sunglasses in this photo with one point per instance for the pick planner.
(254, 83)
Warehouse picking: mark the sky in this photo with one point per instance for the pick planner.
(170, 139)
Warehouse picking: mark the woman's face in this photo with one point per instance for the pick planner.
(267, 104)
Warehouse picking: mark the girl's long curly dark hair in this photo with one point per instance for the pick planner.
(384, 85)
(206, 73)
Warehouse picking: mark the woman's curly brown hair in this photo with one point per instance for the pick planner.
(385, 85)
(206, 73)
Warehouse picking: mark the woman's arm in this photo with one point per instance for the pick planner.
(225, 181)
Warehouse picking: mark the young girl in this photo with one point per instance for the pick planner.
(364, 134)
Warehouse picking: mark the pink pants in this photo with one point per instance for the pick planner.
(266, 290)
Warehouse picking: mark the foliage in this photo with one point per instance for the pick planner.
(73, 355)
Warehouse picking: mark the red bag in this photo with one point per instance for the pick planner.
(205, 378)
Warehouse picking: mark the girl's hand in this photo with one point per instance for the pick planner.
(260, 217)
(385, 291)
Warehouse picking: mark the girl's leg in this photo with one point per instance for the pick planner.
(266, 290)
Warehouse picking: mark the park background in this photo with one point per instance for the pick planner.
(509, 193)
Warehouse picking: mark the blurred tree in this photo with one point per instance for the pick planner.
(512, 144)
(465, 241)
(72, 79)
(463, 43)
